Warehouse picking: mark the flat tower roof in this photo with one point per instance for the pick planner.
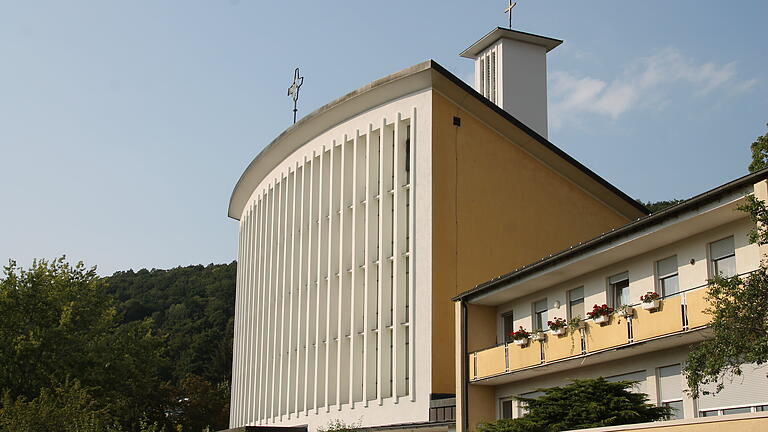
(505, 33)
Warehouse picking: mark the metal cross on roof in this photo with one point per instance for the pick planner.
(293, 90)
(509, 11)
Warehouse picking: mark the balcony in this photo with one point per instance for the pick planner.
(674, 323)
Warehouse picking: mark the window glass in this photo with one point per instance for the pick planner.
(509, 326)
(723, 257)
(671, 389)
(506, 409)
(677, 409)
(741, 410)
(576, 303)
(709, 413)
(540, 315)
(619, 289)
(666, 271)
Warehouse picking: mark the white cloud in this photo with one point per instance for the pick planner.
(641, 84)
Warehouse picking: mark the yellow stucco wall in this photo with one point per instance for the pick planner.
(482, 405)
(491, 362)
(602, 336)
(495, 208)
(560, 347)
(697, 306)
(720, 424)
(665, 320)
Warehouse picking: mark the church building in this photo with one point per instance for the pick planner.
(361, 223)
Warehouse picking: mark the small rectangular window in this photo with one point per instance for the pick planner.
(666, 272)
(618, 287)
(507, 409)
(576, 303)
(711, 413)
(671, 389)
(723, 256)
(540, 315)
(509, 326)
(742, 410)
(677, 409)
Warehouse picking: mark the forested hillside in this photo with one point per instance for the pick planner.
(192, 307)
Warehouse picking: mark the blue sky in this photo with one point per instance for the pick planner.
(125, 125)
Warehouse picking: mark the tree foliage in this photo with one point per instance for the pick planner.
(657, 206)
(66, 408)
(58, 327)
(759, 153)
(192, 306)
(739, 307)
(581, 404)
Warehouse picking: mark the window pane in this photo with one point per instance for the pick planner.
(721, 248)
(709, 413)
(540, 314)
(576, 294)
(737, 410)
(620, 292)
(576, 309)
(670, 383)
(677, 409)
(726, 266)
(667, 266)
(509, 326)
(618, 278)
(506, 409)
(669, 286)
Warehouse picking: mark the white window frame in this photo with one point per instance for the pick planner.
(711, 259)
(510, 313)
(611, 289)
(569, 299)
(660, 278)
(534, 314)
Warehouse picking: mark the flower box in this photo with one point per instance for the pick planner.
(559, 331)
(539, 336)
(521, 342)
(601, 319)
(626, 311)
(652, 305)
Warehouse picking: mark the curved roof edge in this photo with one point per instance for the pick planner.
(419, 77)
(322, 119)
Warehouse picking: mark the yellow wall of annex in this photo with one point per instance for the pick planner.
(495, 208)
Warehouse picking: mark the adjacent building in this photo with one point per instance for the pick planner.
(672, 253)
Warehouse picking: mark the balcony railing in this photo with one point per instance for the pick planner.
(679, 313)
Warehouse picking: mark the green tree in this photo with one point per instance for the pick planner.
(582, 404)
(68, 408)
(656, 206)
(759, 153)
(739, 307)
(59, 325)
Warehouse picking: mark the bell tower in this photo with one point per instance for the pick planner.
(511, 71)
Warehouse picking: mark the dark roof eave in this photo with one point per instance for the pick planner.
(494, 284)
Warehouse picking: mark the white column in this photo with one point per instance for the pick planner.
(411, 248)
(357, 323)
(384, 262)
(371, 282)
